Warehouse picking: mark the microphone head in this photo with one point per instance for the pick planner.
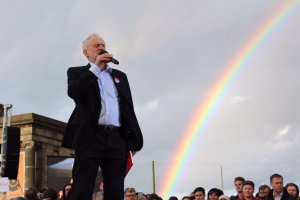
(102, 52)
(112, 59)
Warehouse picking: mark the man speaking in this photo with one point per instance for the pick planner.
(103, 127)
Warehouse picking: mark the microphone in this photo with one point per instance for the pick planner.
(112, 59)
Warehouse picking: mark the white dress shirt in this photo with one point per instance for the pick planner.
(110, 113)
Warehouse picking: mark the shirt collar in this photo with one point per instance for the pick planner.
(279, 195)
(108, 68)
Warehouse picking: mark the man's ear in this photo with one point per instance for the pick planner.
(85, 53)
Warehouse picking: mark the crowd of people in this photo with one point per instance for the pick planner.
(244, 188)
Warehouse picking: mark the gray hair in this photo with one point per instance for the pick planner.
(85, 42)
(130, 190)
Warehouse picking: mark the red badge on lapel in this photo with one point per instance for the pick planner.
(117, 80)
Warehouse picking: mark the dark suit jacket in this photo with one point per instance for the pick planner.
(285, 196)
(83, 88)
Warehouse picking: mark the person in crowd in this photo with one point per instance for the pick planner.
(292, 189)
(50, 194)
(153, 196)
(31, 194)
(41, 191)
(18, 198)
(129, 194)
(186, 198)
(99, 195)
(248, 191)
(278, 192)
(103, 127)
(238, 184)
(224, 197)
(199, 193)
(65, 191)
(214, 194)
(263, 191)
(141, 196)
(173, 198)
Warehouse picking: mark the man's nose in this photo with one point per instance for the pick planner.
(101, 47)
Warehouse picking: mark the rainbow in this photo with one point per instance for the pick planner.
(207, 107)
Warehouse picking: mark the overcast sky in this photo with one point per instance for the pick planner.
(173, 52)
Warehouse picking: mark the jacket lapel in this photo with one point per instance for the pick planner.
(117, 81)
(95, 85)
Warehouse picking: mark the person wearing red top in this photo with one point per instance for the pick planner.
(248, 191)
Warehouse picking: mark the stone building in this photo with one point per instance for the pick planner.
(41, 154)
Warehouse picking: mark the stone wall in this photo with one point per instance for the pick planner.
(40, 138)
